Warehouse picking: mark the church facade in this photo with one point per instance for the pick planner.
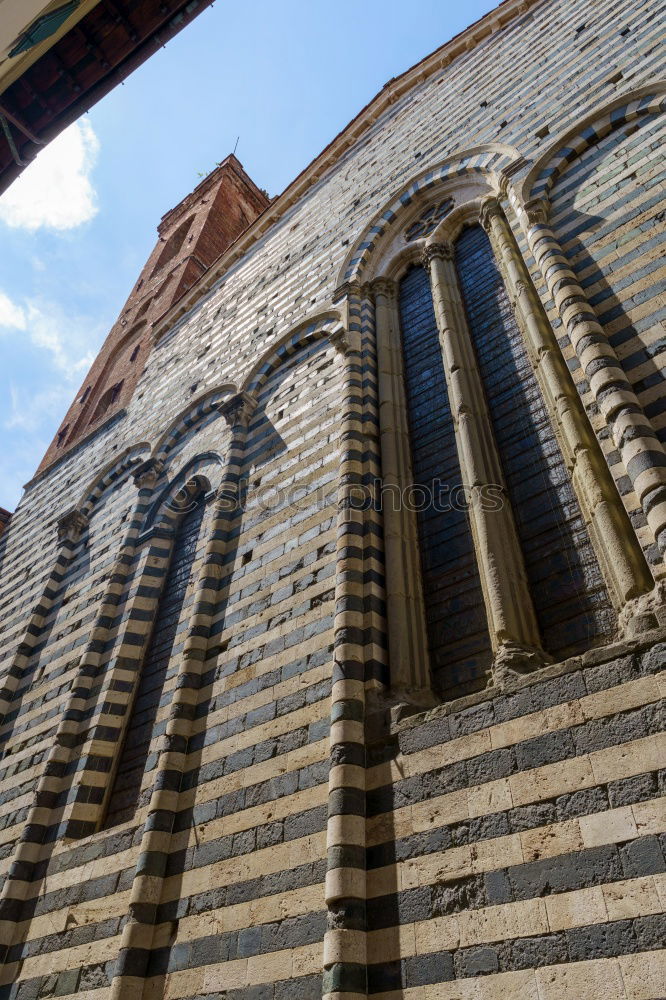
(334, 620)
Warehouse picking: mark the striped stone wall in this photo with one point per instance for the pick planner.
(513, 840)
(608, 210)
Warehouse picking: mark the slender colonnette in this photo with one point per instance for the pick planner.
(640, 449)
(408, 654)
(512, 621)
(617, 547)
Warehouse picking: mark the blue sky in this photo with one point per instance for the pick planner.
(77, 227)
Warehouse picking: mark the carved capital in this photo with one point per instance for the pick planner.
(435, 251)
(147, 473)
(345, 341)
(536, 211)
(72, 525)
(509, 172)
(490, 209)
(385, 287)
(238, 409)
(347, 289)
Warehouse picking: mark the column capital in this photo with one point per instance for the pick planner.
(345, 341)
(490, 209)
(238, 409)
(536, 211)
(72, 525)
(436, 251)
(347, 289)
(384, 286)
(147, 473)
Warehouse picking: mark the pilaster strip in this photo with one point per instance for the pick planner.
(137, 936)
(374, 569)
(344, 941)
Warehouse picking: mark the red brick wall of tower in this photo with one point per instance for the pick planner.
(190, 237)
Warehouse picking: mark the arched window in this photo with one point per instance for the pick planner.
(125, 796)
(551, 550)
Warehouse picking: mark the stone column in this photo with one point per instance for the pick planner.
(619, 553)
(512, 621)
(405, 611)
(345, 939)
(137, 937)
(641, 451)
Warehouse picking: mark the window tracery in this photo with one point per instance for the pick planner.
(550, 587)
(428, 220)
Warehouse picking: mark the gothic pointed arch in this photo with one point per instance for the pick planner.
(116, 470)
(175, 493)
(592, 208)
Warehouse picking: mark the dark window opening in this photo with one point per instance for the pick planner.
(107, 400)
(457, 630)
(173, 244)
(62, 434)
(136, 758)
(567, 587)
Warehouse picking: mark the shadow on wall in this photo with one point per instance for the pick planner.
(78, 567)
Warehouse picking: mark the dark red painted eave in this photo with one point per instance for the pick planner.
(153, 23)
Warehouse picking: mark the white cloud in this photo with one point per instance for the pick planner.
(64, 338)
(56, 191)
(11, 315)
(69, 341)
(29, 411)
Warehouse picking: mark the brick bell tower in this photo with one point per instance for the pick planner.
(191, 236)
